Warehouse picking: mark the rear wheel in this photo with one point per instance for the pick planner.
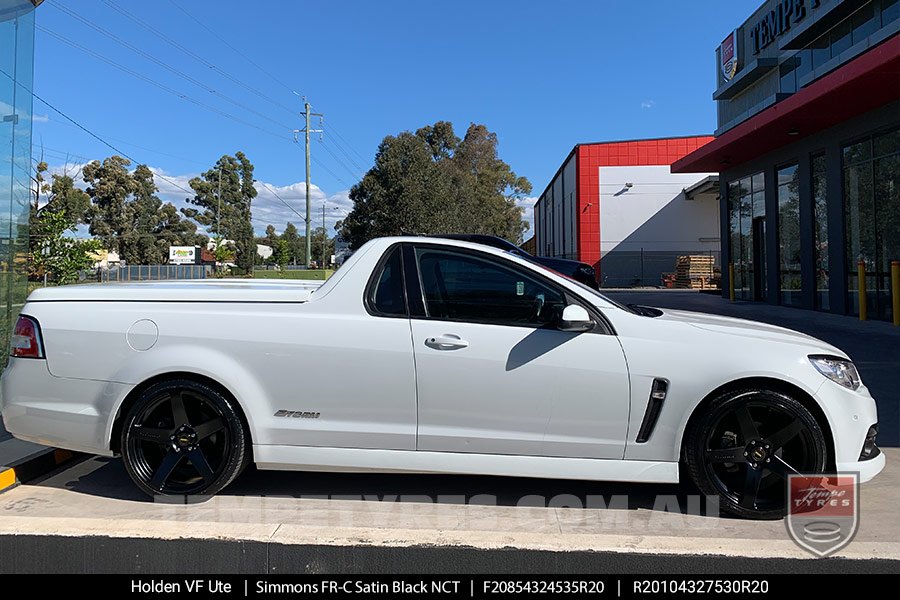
(745, 445)
(182, 437)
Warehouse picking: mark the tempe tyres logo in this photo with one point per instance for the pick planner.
(823, 511)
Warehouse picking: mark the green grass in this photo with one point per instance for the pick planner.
(311, 274)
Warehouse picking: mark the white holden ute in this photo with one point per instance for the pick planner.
(431, 355)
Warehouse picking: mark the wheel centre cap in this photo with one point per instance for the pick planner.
(758, 454)
(184, 438)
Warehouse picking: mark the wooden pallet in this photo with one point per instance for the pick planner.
(694, 271)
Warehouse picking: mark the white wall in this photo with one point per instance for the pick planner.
(654, 214)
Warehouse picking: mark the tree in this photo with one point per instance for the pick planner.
(271, 240)
(296, 244)
(227, 216)
(430, 181)
(321, 246)
(62, 198)
(281, 253)
(153, 225)
(109, 186)
(60, 257)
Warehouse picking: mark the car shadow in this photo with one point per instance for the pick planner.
(106, 477)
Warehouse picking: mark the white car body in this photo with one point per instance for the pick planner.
(366, 392)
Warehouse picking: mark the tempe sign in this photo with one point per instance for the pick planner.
(777, 21)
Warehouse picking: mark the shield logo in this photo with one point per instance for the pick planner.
(728, 56)
(823, 511)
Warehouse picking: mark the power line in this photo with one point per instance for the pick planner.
(89, 132)
(359, 170)
(153, 82)
(330, 172)
(162, 63)
(339, 161)
(283, 201)
(237, 51)
(175, 44)
(333, 130)
(139, 147)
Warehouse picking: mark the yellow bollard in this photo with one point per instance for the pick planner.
(731, 281)
(895, 289)
(861, 278)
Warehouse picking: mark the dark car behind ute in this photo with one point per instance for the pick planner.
(579, 271)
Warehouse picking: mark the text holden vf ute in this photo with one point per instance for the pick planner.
(431, 356)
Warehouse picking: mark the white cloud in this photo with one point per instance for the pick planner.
(40, 118)
(647, 104)
(527, 206)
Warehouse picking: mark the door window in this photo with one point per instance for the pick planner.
(459, 286)
(386, 295)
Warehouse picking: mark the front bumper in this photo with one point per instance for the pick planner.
(850, 414)
(75, 414)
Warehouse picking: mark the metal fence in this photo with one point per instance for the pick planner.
(651, 268)
(154, 273)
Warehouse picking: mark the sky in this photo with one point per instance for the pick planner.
(175, 84)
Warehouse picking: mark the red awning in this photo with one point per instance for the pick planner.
(863, 84)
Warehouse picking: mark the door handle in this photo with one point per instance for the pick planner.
(448, 341)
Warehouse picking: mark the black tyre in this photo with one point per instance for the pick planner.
(744, 445)
(182, 437)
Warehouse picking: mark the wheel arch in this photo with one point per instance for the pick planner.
(140, 388)
(772, 384)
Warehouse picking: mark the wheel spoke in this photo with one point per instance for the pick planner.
(168, 464)
(726, 455)
(210, 427)
(198, 459)
(780, 467)
(151, 434)
(748, 427)
(178, 411)
(751, 488)
(783, 436)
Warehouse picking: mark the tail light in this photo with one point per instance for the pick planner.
(26, 339)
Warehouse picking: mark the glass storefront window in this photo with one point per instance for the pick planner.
(747, 211)
(16, 72)
(820, 232)
(872, 218)
(863, 23)
(789, 235)
(890, 11)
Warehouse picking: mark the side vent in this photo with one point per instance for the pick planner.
(654, 407)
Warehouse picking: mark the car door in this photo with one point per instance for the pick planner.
(341, 380)
(494, 375)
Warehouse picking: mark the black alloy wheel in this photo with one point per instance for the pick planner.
(745, 445)
(182, 437)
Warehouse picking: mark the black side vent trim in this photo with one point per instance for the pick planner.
(654, 406)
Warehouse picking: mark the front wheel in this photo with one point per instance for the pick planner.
(745, 445)
(182, 437)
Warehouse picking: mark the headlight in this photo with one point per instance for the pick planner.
(839, 370)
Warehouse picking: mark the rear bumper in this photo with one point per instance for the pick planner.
(75, 414)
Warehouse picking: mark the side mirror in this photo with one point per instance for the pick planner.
(575, 318)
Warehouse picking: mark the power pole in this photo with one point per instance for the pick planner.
(219, 205)
(324, 236)
(306, 131)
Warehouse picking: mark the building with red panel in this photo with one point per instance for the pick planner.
(808, 148)
(618, 207)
